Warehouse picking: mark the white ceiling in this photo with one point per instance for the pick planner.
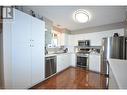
(62, 15)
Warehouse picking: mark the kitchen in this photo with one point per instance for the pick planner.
(81, 57)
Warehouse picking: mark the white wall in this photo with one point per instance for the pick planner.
(95, 37)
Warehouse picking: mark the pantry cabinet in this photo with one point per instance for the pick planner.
(27, 41)
(37, 50)
(21, 52)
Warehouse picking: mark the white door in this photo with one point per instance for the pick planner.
(63, 61)
(67, 60)
(38, 51)
(73, 60)
(60, 62)
(59, 66)
(94, 62)
(21, 27)
(21, 53)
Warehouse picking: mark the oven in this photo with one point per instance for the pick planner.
(82, 60)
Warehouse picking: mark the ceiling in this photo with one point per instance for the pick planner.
(62, 15)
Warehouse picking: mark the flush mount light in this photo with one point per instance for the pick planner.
(81, 16)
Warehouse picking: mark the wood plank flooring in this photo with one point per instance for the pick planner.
(74, 78)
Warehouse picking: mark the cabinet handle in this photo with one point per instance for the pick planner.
(31, 45)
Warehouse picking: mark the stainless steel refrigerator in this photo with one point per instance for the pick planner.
(113, 47)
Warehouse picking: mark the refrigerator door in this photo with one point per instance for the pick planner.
(113, 47)
(105, 55)
(126, 47)
(117, 48)
(105, 49)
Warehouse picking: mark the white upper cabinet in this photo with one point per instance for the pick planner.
(64, 39)
(21, 27)
(37, 28)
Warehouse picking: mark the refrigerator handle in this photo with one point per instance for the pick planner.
(108, 66)
(126, 49)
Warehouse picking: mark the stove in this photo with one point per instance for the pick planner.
(83, 59)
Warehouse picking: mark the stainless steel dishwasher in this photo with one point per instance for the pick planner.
(50, 66)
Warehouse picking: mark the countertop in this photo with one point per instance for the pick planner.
(119, 69)
(55, 54)
(89, 47)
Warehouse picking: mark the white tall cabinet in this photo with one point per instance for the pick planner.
(37, 54)
(26, 52)
(21, 50)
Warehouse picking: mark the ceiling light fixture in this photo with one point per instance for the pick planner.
(81, 16)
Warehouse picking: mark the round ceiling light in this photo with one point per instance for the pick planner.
(81, 16)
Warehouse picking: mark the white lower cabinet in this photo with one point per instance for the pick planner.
(95, 62)
(63, 61)
(73, 59)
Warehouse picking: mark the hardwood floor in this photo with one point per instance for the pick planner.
(74, 78)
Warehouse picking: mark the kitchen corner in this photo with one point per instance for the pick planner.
(58, 59)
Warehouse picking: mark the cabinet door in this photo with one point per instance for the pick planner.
(94, 62)
(21, 65)
(73, 60)
(38, 51)
(21, 53)
(38, 30)
(63, 39)
(59, 65)
(21, 27)
(69, 60)
(66, 62)
(63, 61)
